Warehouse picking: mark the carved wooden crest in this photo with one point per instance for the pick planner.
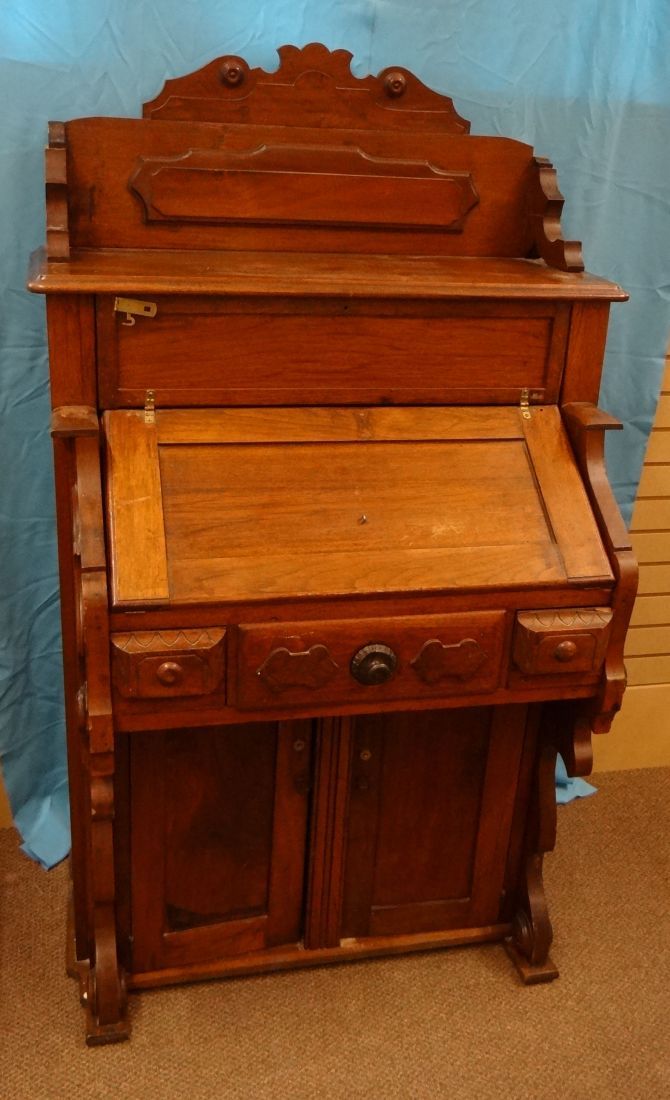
(313, 86)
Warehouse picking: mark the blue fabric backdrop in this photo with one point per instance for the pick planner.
(583, 81)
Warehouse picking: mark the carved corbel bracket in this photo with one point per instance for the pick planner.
(545, 205)
(586, 426)
(55, 164)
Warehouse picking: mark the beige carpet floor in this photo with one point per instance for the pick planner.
(455, 1024)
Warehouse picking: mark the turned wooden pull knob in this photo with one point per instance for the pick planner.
(169, 673)
(373, 664)
(565, 651)
(395, 84)
(231, 72)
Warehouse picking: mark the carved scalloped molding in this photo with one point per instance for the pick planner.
(546, 206)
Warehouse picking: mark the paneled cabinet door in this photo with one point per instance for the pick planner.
(218, 825)
(430, 813)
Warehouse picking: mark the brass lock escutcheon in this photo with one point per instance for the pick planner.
(375, 663)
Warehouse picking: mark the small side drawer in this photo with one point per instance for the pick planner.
(561, 641)
(364, 660)
(168, 664)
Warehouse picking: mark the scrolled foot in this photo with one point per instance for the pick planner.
(100, 1031)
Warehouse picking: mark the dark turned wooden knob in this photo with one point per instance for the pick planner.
(395, 84)
(565, 651)
(169, 673)
(231, 72)
(373, 664)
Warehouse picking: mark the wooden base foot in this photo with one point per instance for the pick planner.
(98, 1035)
(530, 973)
(114, 1030)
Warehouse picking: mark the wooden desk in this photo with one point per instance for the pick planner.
(341, 570)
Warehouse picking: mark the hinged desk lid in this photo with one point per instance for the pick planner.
(209, 506)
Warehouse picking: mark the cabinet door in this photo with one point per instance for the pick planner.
(218, 823)
(430, 813)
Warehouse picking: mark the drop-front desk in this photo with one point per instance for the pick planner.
(341, 569)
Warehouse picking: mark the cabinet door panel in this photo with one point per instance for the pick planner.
(218, 823)
(432, 797)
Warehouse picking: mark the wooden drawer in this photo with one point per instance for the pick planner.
(312, 663)
(216, 351)
(169, 664)
(561, 642)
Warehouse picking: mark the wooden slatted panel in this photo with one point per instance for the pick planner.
(648, 643)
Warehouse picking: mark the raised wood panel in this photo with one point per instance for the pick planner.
(451, 775)
(218, 827)
(291, 184)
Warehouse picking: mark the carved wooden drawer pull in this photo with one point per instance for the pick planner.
(310, 668)
(436, 661)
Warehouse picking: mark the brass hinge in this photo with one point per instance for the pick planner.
(149, 407)
(131, 306)
(524, 404)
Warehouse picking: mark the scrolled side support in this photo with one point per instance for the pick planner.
(586, 426)
(532, 933)
(102, 981)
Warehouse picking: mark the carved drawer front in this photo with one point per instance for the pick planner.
(170, 663)
(369, 660)
(562, 641)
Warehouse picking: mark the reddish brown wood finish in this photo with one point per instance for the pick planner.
(228, 90)
(195, 895)
(339, 575)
